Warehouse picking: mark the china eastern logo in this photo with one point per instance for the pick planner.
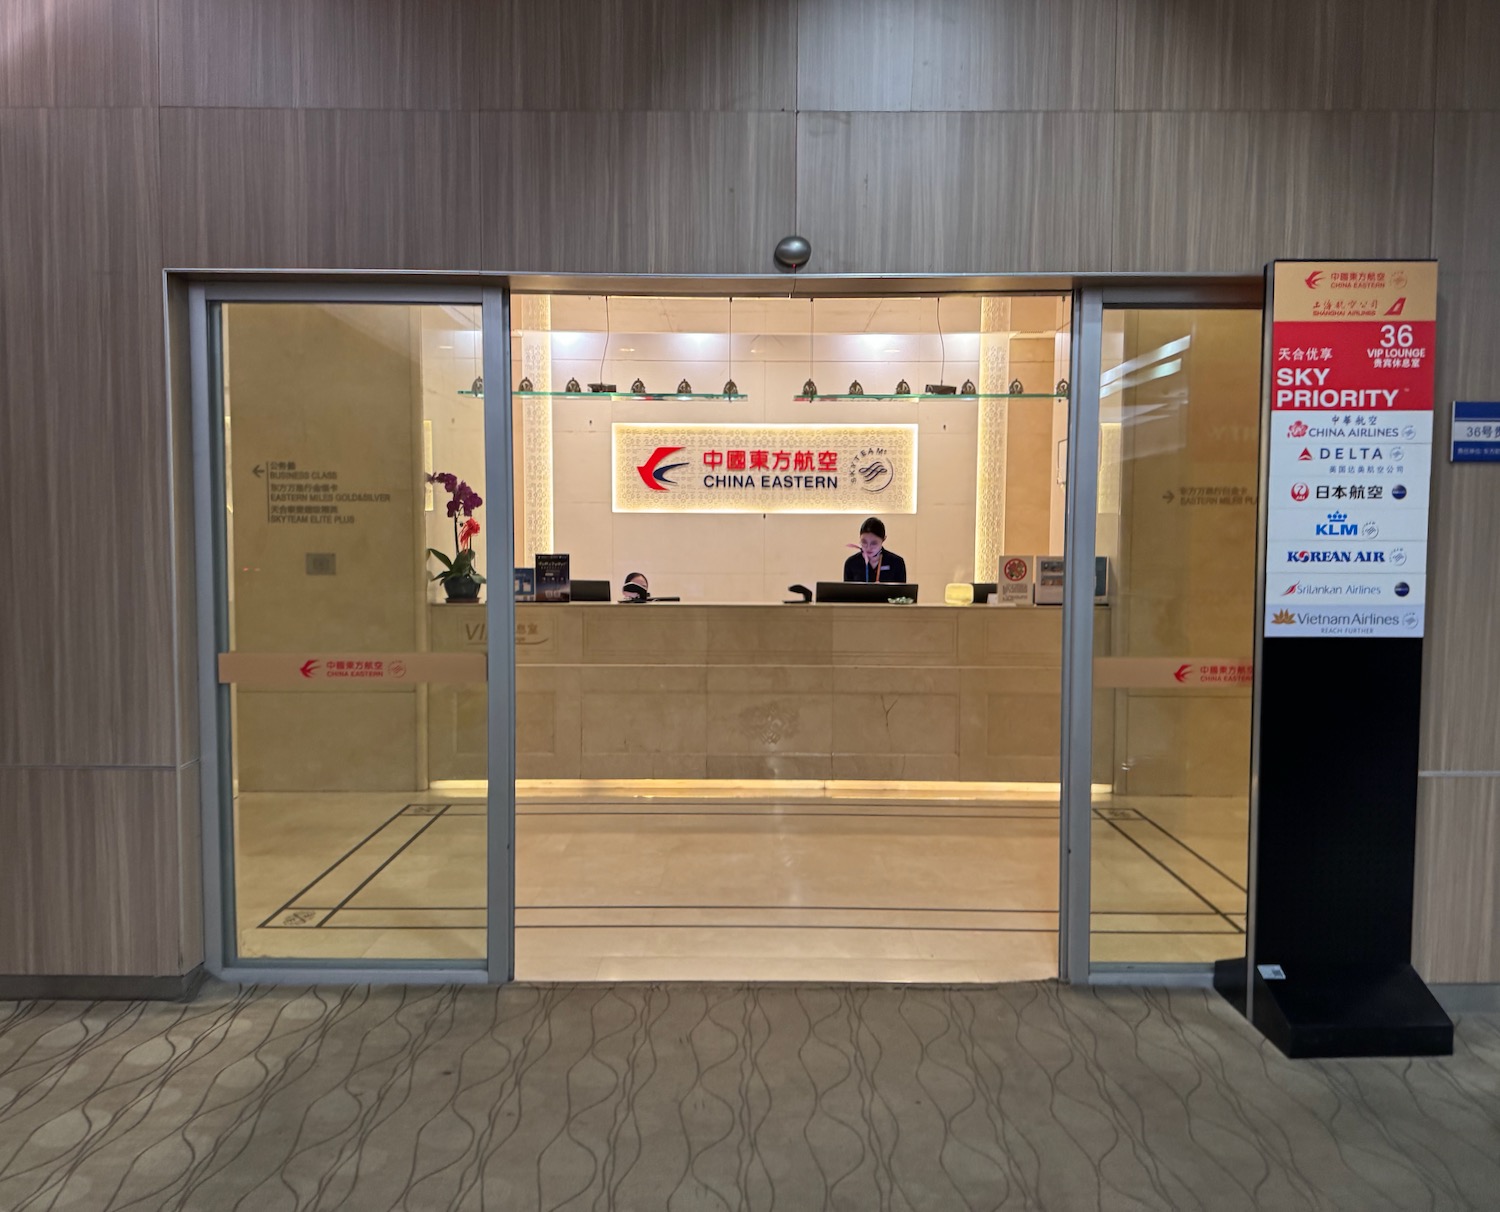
(1313, 279)
(654, 470)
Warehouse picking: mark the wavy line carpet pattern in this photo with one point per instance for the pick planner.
(687, 1097)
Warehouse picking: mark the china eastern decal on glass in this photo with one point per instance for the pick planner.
(1351, 387)
(765, 468)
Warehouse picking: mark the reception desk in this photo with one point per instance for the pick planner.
(907, 693)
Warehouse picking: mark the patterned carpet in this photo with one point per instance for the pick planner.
(723, 1097)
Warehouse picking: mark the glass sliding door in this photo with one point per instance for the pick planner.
(1178, 475)
(352, 686)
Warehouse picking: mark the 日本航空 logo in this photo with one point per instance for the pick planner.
(654, 472)
(1300, 492)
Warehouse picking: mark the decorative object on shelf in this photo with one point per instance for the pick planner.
(731, 389)
(684, 388)
(526, 386)
(459, 577)
(1062, 387)
(855, 389)
(903, 388)
(968, 389)
(638, 387)
(792, 253)
(602, 388)
(477, 386)
(1016, 389)
(809, 389)
(573, 386)
(941, 389)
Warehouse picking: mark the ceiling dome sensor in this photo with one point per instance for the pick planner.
(792, 253)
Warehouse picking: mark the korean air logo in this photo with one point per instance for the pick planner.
(1297, 429)
(654, 470)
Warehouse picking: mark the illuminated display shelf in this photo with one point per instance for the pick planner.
(673, 395)
(615, 395)
(922, 395)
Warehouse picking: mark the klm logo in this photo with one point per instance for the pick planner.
(1335, 557)
(1338, 526)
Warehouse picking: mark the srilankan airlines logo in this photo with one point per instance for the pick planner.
(654, 472)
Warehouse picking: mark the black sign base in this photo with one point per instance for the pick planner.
(1365, 1012)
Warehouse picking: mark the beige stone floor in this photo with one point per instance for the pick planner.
(943, 883)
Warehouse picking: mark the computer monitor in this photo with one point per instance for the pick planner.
(983, 590)
(591, 591)
(865, 591)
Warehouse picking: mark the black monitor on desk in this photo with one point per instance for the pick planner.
(865, 591)
(590, 591)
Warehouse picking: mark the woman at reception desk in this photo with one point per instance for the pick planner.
(873, 562)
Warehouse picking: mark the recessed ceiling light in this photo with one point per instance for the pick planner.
(627, 349)
(445, 347)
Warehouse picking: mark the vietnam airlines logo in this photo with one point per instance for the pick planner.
(654, 472)
(1313, 279)
(1282, 617)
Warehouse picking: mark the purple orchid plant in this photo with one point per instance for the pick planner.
(458, 572)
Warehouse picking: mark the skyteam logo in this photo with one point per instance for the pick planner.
(654, 471)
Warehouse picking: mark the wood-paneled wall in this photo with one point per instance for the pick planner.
(654, 136)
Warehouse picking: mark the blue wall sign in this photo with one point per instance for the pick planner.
(1476, 432)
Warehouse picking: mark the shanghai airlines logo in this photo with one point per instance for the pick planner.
(1313, 279)
(1298, 429)
(1397, 307)
(654, 472)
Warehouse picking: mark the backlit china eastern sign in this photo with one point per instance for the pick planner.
(1351, 386)
(865, 469)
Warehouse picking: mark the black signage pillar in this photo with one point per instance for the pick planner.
(1346, 432)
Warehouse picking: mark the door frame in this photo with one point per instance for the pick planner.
(1075, 964)
(1090, 296)
(205, 366)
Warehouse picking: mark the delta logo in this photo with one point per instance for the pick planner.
(1305, 456)
(1297, 429)
(654, 470)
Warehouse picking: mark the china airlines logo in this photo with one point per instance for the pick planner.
(1313, 279)
(654, 472)
(1298, 429)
